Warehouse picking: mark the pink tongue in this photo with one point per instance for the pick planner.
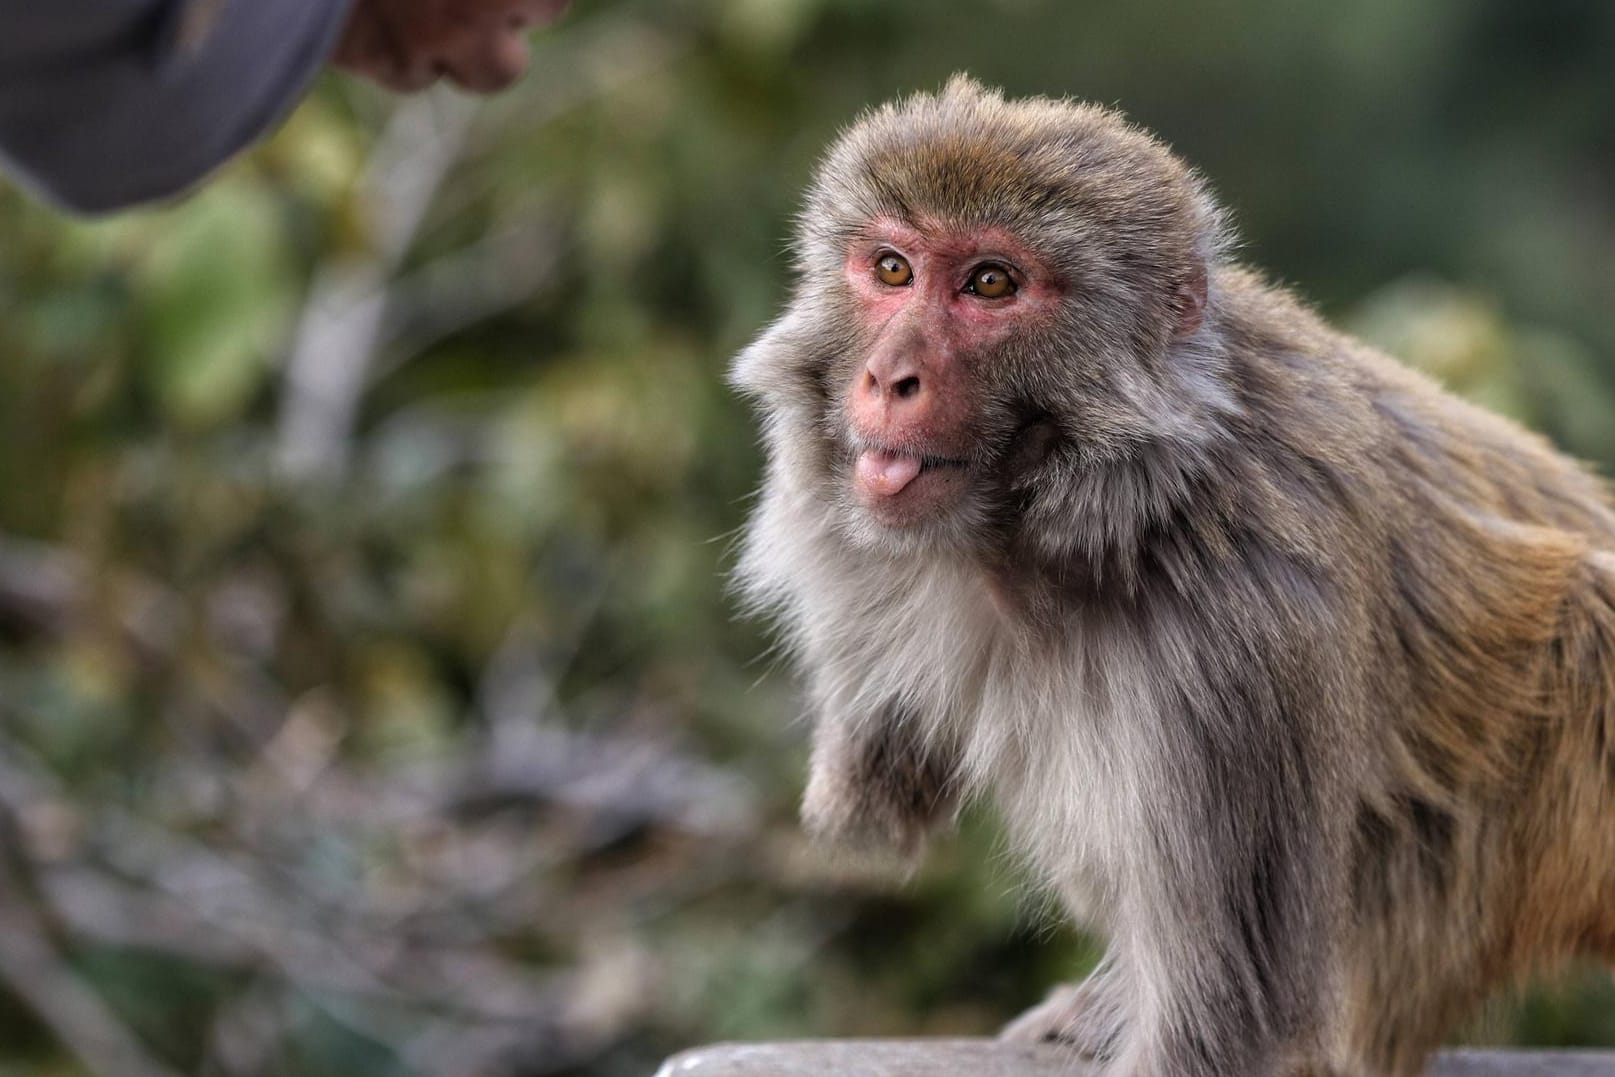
(886, 473)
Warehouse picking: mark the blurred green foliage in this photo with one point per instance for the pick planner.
(228, 600)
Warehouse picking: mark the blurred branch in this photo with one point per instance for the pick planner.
(37, 585)
(462, 289)
(37, 975)
(46, 591)
(409, 944)
(368, 960)
(621, 780)
(336, 340)
(246, 1031)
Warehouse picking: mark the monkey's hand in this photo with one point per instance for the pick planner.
(1086, 1016)
(877, 784)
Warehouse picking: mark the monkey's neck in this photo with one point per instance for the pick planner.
(1172, 515)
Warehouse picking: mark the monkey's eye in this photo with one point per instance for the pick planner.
(990, 281)
(894, 269)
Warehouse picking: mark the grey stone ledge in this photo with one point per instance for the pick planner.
(987, 1058)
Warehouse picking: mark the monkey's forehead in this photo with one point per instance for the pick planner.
(969, 157)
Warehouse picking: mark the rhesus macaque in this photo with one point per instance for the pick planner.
(1287, 670)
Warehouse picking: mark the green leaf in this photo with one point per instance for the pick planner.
(216, 291)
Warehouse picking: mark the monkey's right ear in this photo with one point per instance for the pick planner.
(1189, 301)
(748, 372)
(758, 367)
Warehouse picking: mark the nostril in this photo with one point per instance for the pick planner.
(906, 387)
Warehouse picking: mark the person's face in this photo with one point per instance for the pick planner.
(409, 44)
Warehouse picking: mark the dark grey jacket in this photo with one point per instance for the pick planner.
(108, 103)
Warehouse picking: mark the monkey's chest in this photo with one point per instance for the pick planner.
(1072, 750)
(1063, 735)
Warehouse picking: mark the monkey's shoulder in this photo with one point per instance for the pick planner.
(1339, 420)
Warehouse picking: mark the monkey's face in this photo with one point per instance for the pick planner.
(926, 430)
(995, 304)
(908, 387)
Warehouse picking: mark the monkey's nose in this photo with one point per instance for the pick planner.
(895, 386)
(891, 396)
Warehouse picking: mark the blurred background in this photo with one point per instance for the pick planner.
(370, 702)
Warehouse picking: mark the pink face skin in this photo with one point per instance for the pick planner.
(911, 407)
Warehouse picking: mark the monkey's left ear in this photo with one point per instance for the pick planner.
(1189, 301)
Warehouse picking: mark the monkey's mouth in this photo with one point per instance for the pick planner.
(900, 486)
(888, 472)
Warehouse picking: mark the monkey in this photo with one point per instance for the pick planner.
(1290, 673)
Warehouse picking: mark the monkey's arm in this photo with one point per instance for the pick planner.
(876, 781)
(1235, 946)
(1232, 870)
(1238, 888)
(1225, 943)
